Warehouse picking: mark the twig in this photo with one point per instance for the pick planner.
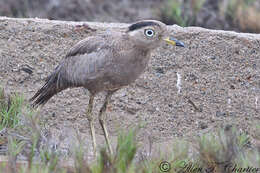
(193, 104)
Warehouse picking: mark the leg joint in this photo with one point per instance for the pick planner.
(101, 121)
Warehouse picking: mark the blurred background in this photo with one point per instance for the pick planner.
(237, 15)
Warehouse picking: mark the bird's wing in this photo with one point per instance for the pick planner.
(85, 61)
(87, 45)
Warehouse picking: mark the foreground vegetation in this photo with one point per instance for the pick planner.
(226, 150)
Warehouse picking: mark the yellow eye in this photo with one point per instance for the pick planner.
(149, 32)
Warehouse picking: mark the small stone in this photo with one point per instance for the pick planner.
(139, 103)
(68, 110)
(213, 57)
(15, 70)
(39, 72)
(203, 125)
(219, 114)
(232, 87)
(232, 114)
(160, 70)
(132, 110)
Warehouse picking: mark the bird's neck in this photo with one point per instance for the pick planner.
(143, 51)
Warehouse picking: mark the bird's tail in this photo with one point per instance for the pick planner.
(49, 89)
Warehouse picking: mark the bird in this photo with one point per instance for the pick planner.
(105, 62)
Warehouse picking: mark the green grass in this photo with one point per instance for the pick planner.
(212, 151)
(10, 110)
(182, 13)
(172, 13)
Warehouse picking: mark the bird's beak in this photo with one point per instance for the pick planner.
(173, 41)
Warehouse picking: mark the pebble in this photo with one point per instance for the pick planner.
(219, 114)
(39, 72)
(203, 125)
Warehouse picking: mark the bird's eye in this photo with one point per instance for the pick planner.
(149, 32)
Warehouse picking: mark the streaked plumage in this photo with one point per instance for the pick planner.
(105, 62)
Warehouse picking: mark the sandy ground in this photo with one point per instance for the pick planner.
(212, 82)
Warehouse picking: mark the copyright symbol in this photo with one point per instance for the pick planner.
(165, 166)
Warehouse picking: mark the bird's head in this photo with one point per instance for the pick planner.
(150, 34)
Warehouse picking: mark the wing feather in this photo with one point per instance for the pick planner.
(84, 61)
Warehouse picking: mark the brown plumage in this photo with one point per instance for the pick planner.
(105, 62)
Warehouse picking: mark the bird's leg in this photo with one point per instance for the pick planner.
(90, 119)
(102, 119)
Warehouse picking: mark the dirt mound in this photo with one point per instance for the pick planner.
(212, 82)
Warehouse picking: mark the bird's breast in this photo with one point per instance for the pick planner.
(122, 70)
(129, 67)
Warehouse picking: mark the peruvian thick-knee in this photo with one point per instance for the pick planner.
(106, 61)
